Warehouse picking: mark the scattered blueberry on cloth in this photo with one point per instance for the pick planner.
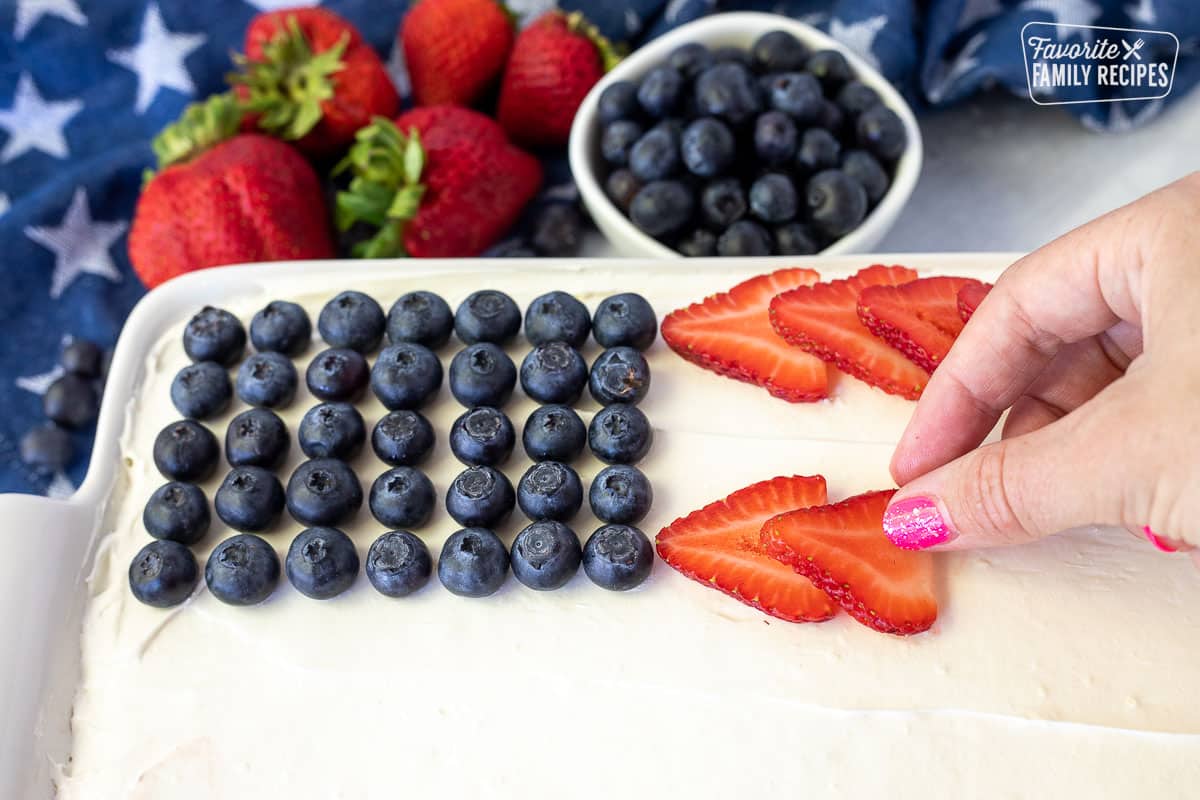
(85, 85)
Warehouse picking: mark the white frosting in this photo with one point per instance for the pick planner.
(1065, 668)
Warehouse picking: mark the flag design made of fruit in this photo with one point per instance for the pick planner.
(436, 184)
(455, 49)
(308, 76)
(224, 197)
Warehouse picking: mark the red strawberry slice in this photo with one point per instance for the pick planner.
(823, 320)
(920, 319)
(842, 549)
(720, 547)
(969, 298)
(730, 334)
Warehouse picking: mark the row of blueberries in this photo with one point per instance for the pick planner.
(70, 402)
(322, 562)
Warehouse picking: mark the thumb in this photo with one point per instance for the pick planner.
(1063, 475)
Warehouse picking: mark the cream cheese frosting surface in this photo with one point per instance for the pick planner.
(1063, 668)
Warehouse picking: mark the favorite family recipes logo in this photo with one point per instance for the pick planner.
(1087, 64)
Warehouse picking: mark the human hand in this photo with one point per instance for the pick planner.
(1093, 345)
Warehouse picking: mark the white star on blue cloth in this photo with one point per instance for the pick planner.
(1119, 120)
(80, 245)
(60, 487)
(949, 72)
(978, 10)
(39, 383)
(34, 123)
(397, 70)
(859, 36)
(676, 7)
(277, 5)
(1142, 12)
(157, 58)
(1067, 12)
(29, 12)
(3, 204)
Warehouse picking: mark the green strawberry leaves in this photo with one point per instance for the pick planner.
(385, 191)
(201, 126)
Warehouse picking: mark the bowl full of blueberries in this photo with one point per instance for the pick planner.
(744, 134)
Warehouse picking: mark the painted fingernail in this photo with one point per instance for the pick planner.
(915, 523)
(1158, 541)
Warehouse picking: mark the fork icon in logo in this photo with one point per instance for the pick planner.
(1132, 50)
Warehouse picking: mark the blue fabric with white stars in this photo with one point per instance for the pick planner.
(86, 84)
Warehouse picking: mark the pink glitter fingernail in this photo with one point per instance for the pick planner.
(916, 523)
(1158, 541)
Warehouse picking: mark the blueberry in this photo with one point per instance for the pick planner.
(723, 203)
(744, 238)
(480, 496)
(71, 401)
(881, 131)
(624, 320)
(778, 51)
(554, 433)
(177, 511)
(47, 447)
(690, 59)
(620, 434)
(487, 316)
(550, 490)
(201, 390)
(402, 497)
(256, 438)
(856, 97)
(830, 68)
(482, 374)
(708, 147)
(82, 357)
(661, 91)
(619, 375)
(281, 327)
(163, 574)
(249, 499)
(422, 318)
(618, 139)
(267, 379)
(795, 239)
(321, 563)
(731, 53)
(473, 563)
(727, 90)
(337, 374)
(557, 230)
(323, 491)
(836, 202)
(797, 94)
(864, 168)
(406, 375)
(186, 451)
(818, 150)
(618, 101)
(775, 137)
(662, 207)
(243, 570)
(831, 118)
(353, 320)
(546, 555)
(773, 198)
(482, 435)
(618, 557)
(398, 564)
(697, 243)
(620, 187)
(620, 494)
(214, 335)
(557, 317)
(332, 430)
(511, 248)
(655, 155)
(553, 373)
(402, 438)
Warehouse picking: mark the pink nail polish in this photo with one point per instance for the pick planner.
(916, 523)
(1157, 540)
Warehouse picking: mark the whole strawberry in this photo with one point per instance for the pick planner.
(224, 198)
(455, 49)
(449, 185)
(307, 75)
(554, 63)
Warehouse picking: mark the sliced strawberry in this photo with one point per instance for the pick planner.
(730, 334)
(842, 549)
(920, 318)
(969, 298)
(823, 320)
(720, 547)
